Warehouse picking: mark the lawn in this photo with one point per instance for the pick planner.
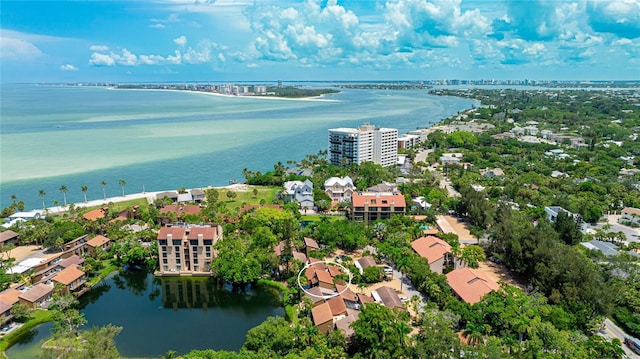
(37, 317)
(247, 197)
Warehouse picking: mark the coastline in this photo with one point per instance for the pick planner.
(265, 97)
(150, 196)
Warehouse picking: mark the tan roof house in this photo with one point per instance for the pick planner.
(436, 251)
(388, 297)
(8, 237)
(10, 296)
(72, 278)
(36, 296)
(338, 308)
(325, 280)
(470, 284)
(310, 245)
(322, 317)
(630, 215)
(98, 241)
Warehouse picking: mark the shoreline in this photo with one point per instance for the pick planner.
(262, 97)
(150, 196)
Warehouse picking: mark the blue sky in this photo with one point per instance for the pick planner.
(245, 40)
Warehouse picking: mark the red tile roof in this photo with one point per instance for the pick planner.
(321, 314)
(176, 233)
(364, 299)
(94, 215)
(348, 294)
(310, 243)
(470, 284)
(377, 199)
(207, 232)
(98, 241)
(191, 209)
(68, 275)
(324, 277)
(10, 295)
(430, 247)
(337, 306)
(334, 270)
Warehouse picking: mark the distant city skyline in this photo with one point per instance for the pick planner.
(351, 40)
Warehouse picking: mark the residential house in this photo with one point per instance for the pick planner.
(171, 195)
(364, 299)
(369, 206)
(71, 261)
(348, 296)
(22, 217)
(470, 285)
(339, 189)
(299, 192)
(384, 187)
(77, 246)
(421, 203)
(198, 195)
(388, 297)
(322, 317)
(37, 296)
(607, 248)
(184, 197)
(10, 296)
(72, 278)
(365, 262)
(451, 158)
(553, 211)
(493, 173)
(325, 280)
(187, 250)
(5, 314)
(338, 308)
(98, 241)
(344, 324)
(96, 214)
(9, 237)
(310, 245)
(630, 215)
(316, 295)
(436, 251)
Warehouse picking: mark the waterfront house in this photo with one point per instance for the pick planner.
(198, 195)
(630, 215)
(9, 237)
(339, 189)
(436, 251)
(72, 278)
(388, 297)
(184, 197)
(96, 214)
(98, 241)
(470, 285)
(369, 206)
(299, 192)
(171, 195)
(37, 296)
(22, 217)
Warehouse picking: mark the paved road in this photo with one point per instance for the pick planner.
(611, 330)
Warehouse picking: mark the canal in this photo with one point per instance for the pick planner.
(159, 314)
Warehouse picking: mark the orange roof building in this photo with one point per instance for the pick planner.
(322, 317)
(470, 284)
(371, 206)
(435, 250)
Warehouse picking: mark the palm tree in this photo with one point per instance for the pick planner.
(42, 193)
(84, 191)
(474, 333)
(122, 182)
(103, 184)
(14, 198)
(64, 190)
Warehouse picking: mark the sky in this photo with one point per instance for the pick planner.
(318, 40)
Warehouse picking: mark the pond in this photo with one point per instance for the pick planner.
(168, 313)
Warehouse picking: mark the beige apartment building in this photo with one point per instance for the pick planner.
(188, 249)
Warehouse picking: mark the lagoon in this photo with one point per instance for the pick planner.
(168, 313)
(162, 140)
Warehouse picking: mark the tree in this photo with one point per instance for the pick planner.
(474, 333)
(568, 229)
(42, 193)
(84, 192)
(255, 192)
(471, 255)
(380, 332)
(122, 182)
(104, 193)
(63, 189)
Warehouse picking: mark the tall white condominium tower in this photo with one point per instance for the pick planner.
(365, 144)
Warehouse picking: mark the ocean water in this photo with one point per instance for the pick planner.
(55, 135)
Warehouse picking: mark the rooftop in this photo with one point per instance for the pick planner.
(321, 314)
(430, 247)
(36, 292)
(68, 275)
(470, 284)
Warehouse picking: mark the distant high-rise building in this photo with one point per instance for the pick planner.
(279, 84)
(365, 144)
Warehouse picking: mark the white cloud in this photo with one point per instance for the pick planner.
(68, 67)
(98, 59)
(180, 41)
(99, 48)
(157, 26)
(18, 49)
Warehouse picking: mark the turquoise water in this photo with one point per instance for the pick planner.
(161, 314)
(54, 135)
